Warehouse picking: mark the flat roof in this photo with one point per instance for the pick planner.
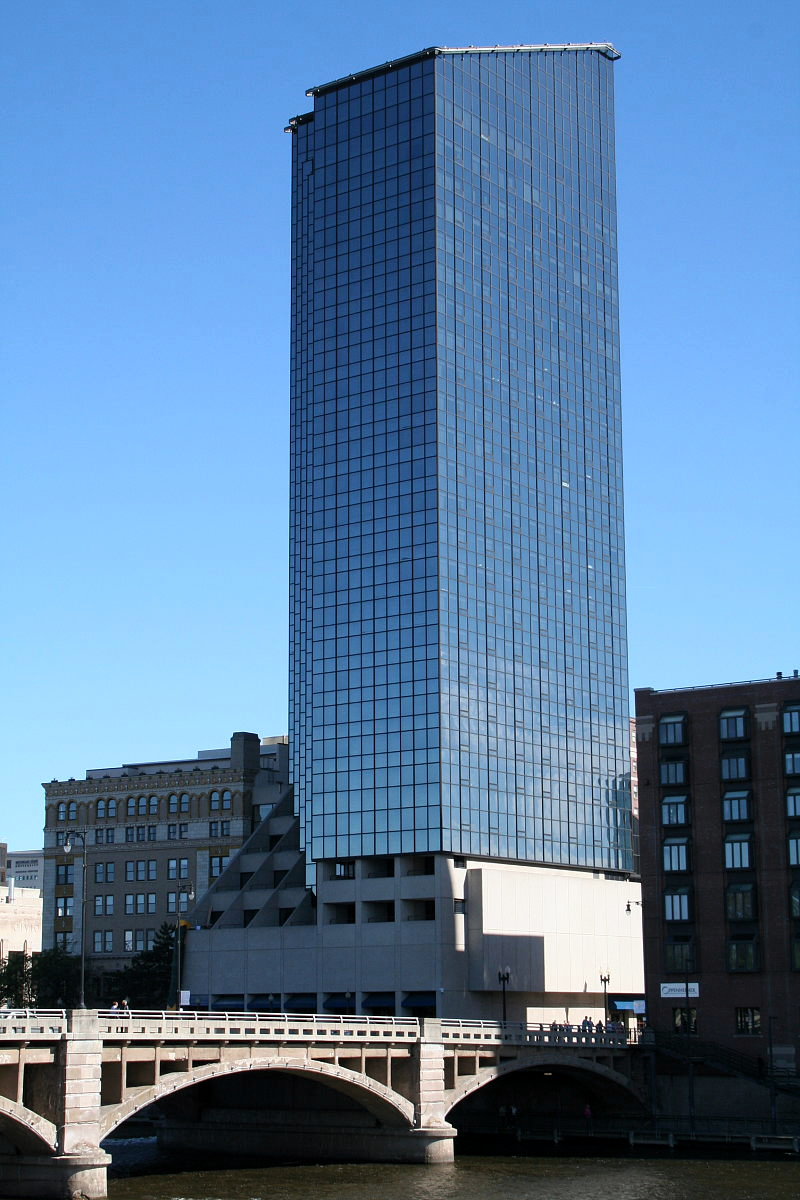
(604, 48)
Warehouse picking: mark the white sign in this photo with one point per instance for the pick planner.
(184, 998)
(677, 991)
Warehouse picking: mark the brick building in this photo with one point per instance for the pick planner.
(719, 797)
(155, 833)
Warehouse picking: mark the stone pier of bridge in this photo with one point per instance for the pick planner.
(69, 1079)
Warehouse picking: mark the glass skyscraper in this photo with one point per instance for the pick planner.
(458, 663)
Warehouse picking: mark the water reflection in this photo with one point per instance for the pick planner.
(466, 1179)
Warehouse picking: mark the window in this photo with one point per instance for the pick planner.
(65, 873)
(215, 800)
(64, 906)
(748, 1020)
(172, 902)
(459, 907)
(678, 955)
(674, 810)
(791, 718)
(101, 810)
(72, 811)
(793, 802)
(736, 806)
(676, 854)
(62, 941)
(794, 901)
(676, 905)
(183, 868)
(173, 804)
(225, 828)
(98, 906)
(345, 869)
(103, 941)
(172, 833)
(99, 837)
(61, 837)
(110, 835)
(99, 872)
(672, 731)
(131, 807)
(127, 939)
(226, 799)
(141, 833)
(184, 803)
(151, 832)
(218, 864)
(672, 773)
(111, 870)
(129, 903)
(183, 831)
(139, 939)
(742, 954)
(740, 902)
(172, 869)
(130, 833)
(98, 941)
(732, 724)
(112, 808)
(130, 871)
(151, 902)
(679, 1020)
(62, 811)
(141, 868)
(794, 850)
(141, 807)
(796, 954)
(734, 766)
(213, 829)
(151, 868)
(737, 852)
(152, 806)
(793, 763)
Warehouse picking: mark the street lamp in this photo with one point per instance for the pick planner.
(503, 976)
(74, 833)
(605, 979)
(187, 890)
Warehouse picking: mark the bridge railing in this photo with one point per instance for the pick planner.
(520, 1034)
(33, 1022)
(256, 1026)
(180, 1024)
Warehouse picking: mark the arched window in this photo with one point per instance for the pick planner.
(101, 810)
(173, 803)
(185, 802)
(131, 806)
(215, 799)
(72, 812)
(62, 811)
(226, 799)
(112, 808)
(153, 806)
(143, 806)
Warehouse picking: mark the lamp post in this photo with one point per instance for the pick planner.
(605, 980)
(75, 833)
(503, 976)
(689, 1062)
(187, 890)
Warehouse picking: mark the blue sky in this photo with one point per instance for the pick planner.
(144, 371)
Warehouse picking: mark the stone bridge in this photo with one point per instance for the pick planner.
(68, 1079)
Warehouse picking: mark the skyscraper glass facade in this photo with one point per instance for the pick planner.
(458, 664)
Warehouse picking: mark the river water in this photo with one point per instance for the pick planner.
(546, 1178)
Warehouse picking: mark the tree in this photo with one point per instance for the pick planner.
(147, 980)
(47, 979)
(15, 980)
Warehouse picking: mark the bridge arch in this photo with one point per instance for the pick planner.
(26, 1130)
(560, 1061)
(388, 1106)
